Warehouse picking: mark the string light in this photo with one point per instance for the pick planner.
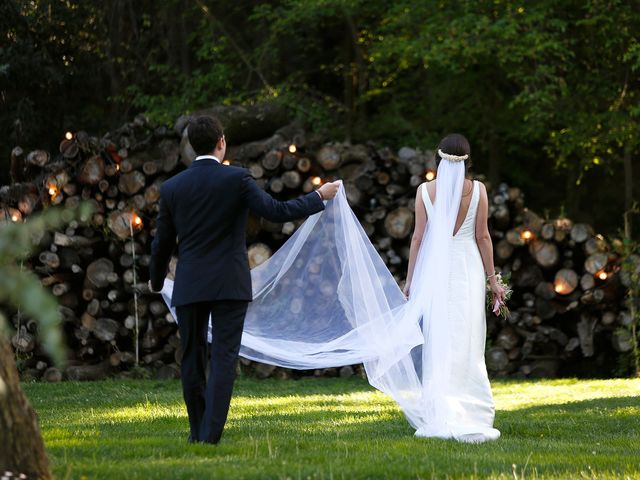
(68, 135)
(316, 181)
(137, 221)
(226, 162)
(602, 275)
(14, 218)
(117, 167)
(430, 175)
(559, 287)
(293, 148)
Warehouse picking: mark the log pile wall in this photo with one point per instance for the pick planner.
(567, 316)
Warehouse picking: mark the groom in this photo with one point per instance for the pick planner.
(206, 208)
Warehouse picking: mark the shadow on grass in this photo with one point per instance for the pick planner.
(581, 421)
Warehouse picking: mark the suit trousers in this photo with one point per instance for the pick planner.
(208, 401)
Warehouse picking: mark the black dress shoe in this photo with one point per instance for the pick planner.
(191, 440)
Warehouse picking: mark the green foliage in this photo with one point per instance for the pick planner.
(336, 428)
(539, 86)
(20, 287)
(546, 91)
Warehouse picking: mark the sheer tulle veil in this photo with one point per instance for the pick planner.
(326, 298)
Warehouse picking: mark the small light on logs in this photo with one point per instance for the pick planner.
(226, 162)
(559, 287)
(14, 218)
(293, 148)
(566, 281)
(602, 275)
(136, 221)
(68, 135)
(316, 181)
(53, 191)
(430, 175)
(117, 167)
(526, 235)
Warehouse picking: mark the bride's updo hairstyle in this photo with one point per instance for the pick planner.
(455, 144)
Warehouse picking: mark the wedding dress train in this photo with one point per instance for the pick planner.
(326, 299)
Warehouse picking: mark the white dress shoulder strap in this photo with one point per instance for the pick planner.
(427, 200)
(475, 199)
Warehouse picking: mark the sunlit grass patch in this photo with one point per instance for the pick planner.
(336, 428)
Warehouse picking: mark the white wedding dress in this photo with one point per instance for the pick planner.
(467, 402)
(326, 299)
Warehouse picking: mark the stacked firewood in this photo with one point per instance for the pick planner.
(568, 315)
(566, 310)
(96, 270)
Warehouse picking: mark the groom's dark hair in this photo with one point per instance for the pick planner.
(204, 132)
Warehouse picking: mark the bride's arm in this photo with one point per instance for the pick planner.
(416, 239)
(485, 245)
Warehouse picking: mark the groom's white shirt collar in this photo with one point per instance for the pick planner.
(202, 157)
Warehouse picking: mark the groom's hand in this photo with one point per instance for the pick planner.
(151, 288)
(329, 190)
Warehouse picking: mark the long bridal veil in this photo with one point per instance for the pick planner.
(326, 298)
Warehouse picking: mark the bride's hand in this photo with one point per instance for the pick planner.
(498, 292)
(406, 289)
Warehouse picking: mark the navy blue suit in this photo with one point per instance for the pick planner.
(204, 211)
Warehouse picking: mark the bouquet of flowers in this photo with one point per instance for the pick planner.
(500, 308)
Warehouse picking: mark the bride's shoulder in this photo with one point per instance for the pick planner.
(482, 189)
(421, 187)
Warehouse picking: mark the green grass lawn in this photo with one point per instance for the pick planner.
(334, 429)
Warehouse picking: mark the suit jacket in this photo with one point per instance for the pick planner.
(204, 209)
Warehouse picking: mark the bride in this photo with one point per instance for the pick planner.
(326, 299)
(451, 234)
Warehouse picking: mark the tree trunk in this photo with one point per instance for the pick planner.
(244, 123)
(628, 188)
(113, 45)
(22, 446)
(185, 29)
(572, 196)
(628, 180)
(494, 161)
(347, 78)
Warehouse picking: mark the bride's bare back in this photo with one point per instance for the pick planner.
(483, 238)
(465, 201)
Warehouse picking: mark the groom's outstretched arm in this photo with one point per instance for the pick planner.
(162, 246)
(264, 205)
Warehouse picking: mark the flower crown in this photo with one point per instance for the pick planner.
(452, 158)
